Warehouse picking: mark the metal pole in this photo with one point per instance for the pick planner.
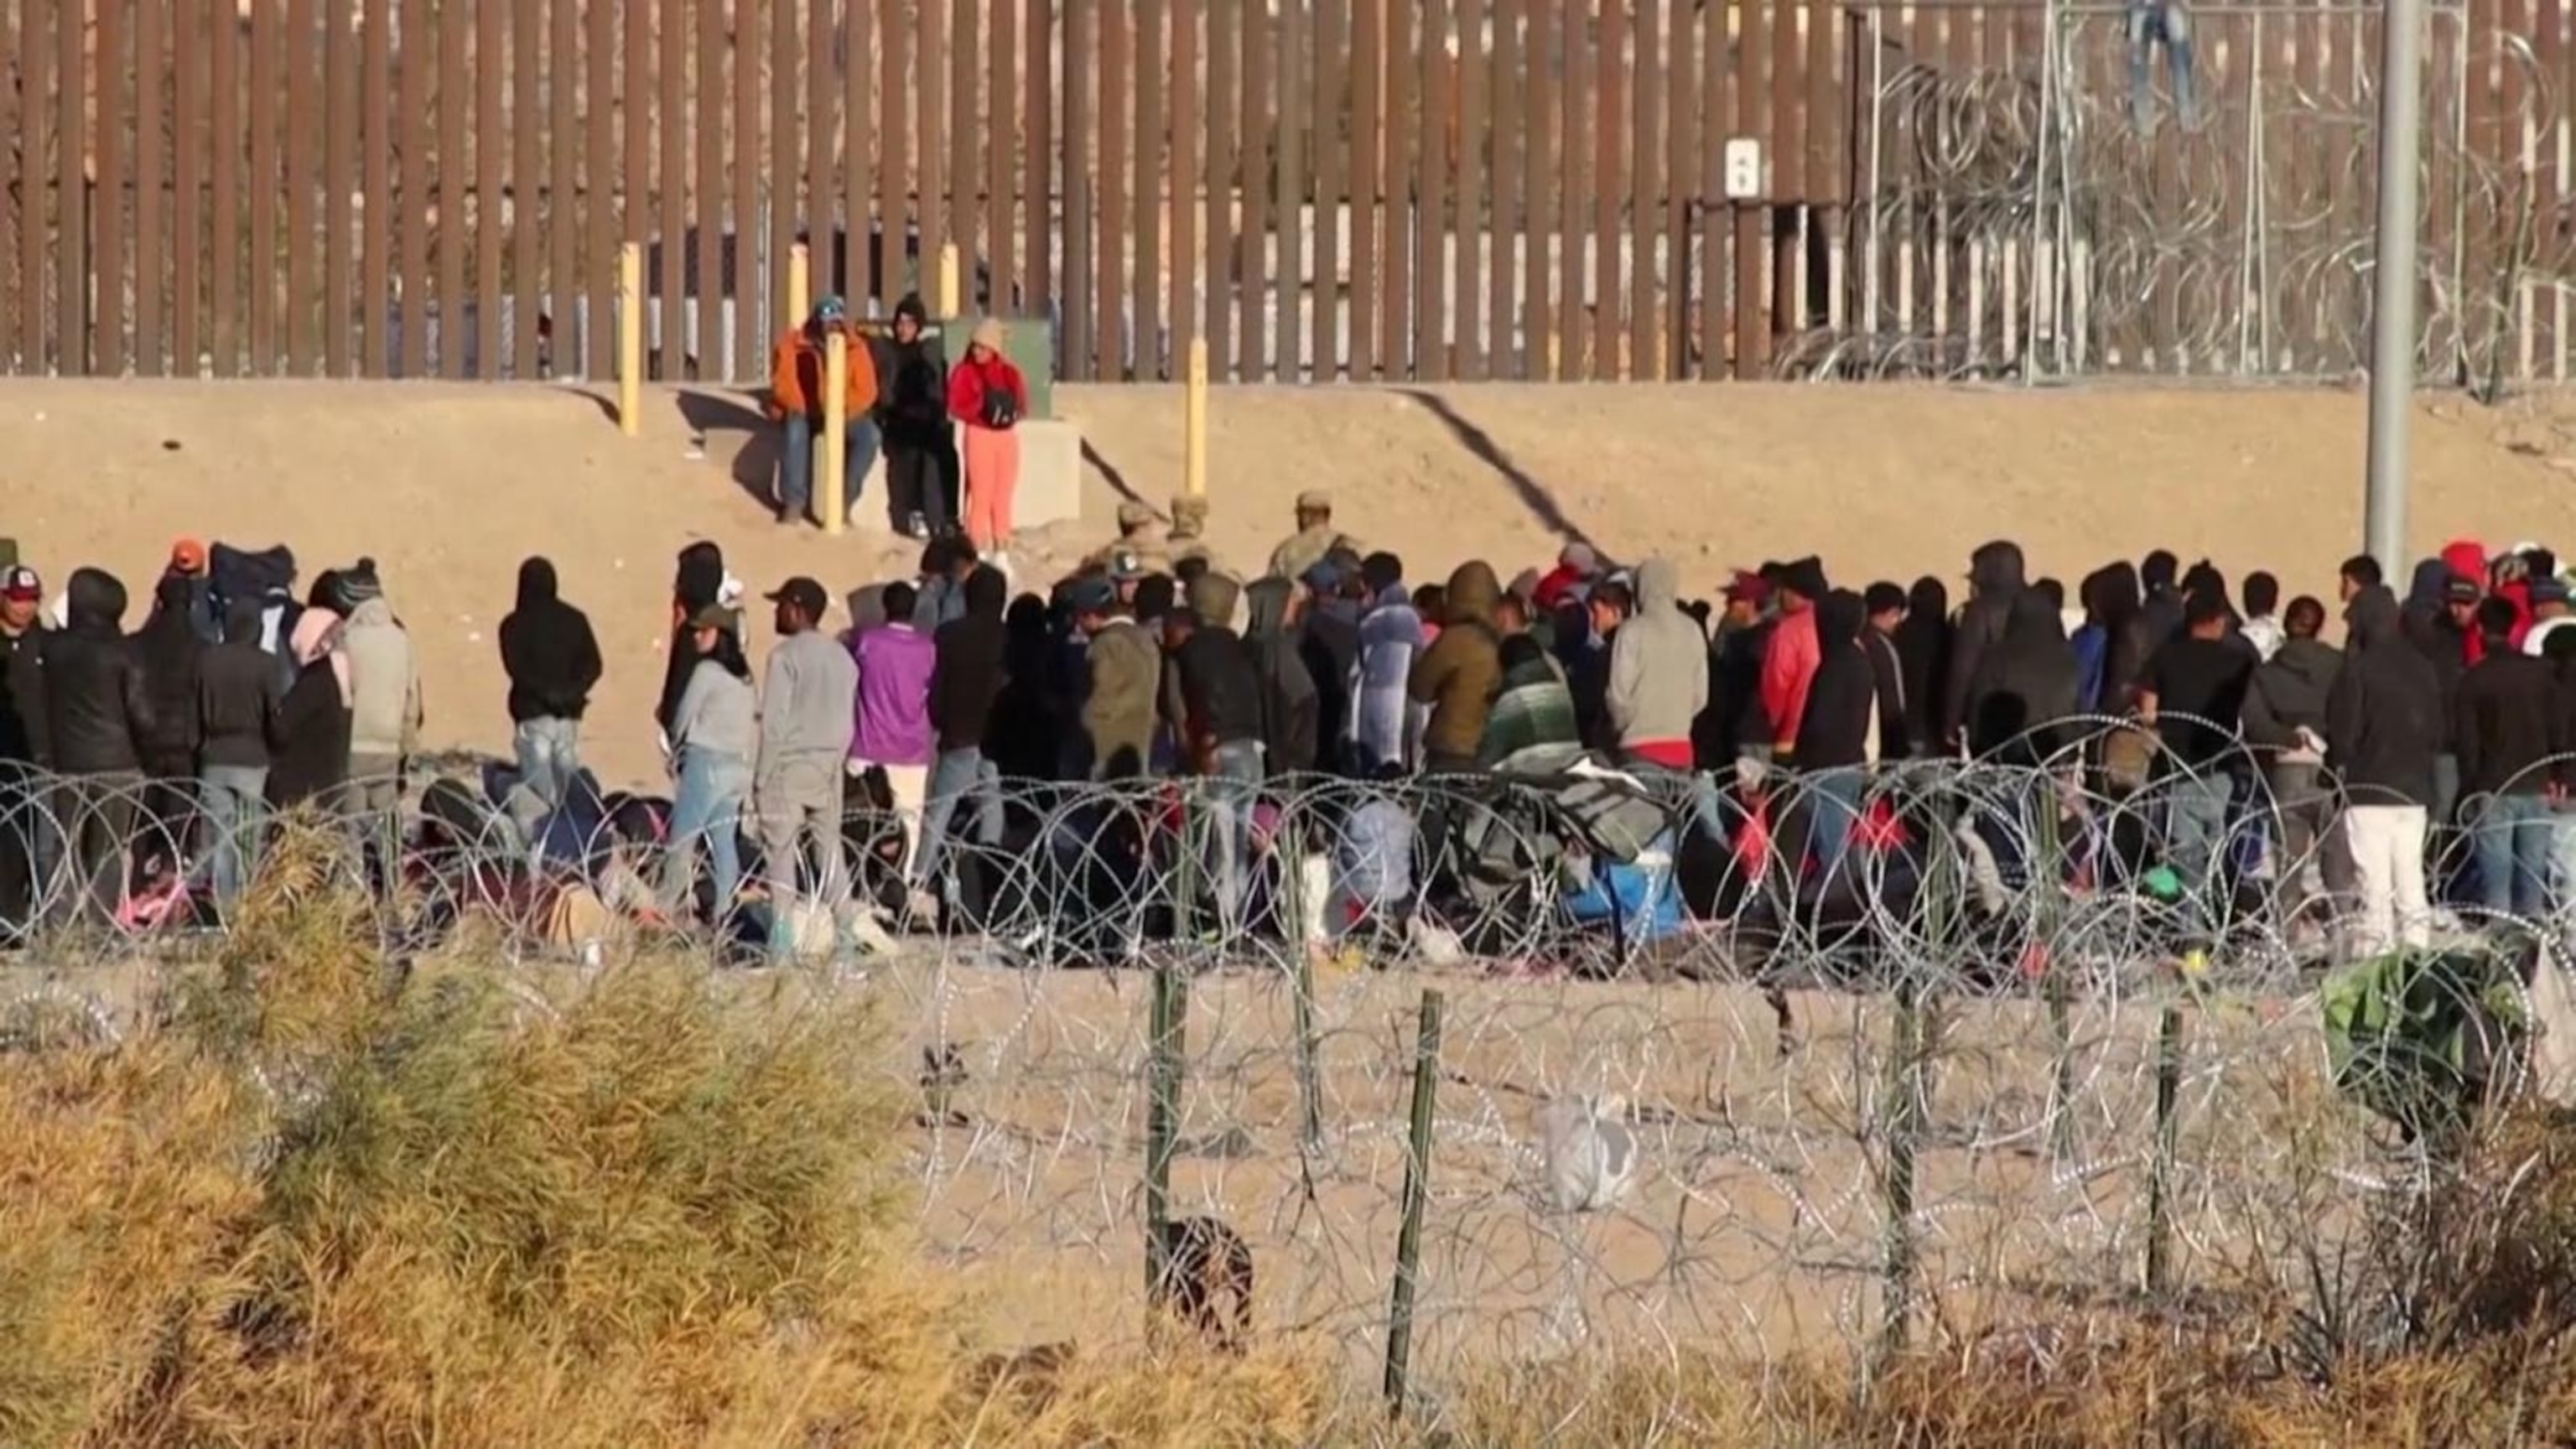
(1417, 1195)
(2392, 333)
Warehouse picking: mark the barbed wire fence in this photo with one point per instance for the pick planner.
(2032, 1058)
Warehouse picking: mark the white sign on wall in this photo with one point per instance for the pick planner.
(1743, 178)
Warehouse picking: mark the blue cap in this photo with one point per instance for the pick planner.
(830, 309)
(1324, 577)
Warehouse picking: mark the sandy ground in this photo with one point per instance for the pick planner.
(448, 487)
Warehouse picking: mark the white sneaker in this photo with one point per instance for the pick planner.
(921, 907)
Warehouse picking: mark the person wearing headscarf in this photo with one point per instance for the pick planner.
(170, 648)
(987, 394)
(1533, 718)
(552, 660)
(2383, 730)
(2024, 689)
(1290, 703)
(920, 452)
(1996, 577)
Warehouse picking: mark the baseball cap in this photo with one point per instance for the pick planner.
(1324, 577)
(805, 594)
(712, 616)
(2461, 591)
(1092, 595)
(1748, 587)
(20, 583)
(1314, 500)
(1124, 564)
(831, 309)
(2549, 589)
(188, 556)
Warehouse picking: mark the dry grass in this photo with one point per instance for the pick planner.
(333, 1200)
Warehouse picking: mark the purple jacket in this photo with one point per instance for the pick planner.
(894, 695)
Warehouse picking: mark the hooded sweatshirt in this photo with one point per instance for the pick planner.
(1923, 648)
(238, 692)
(1219, 695)
(98, 707)
(1124, 669)
(968, 664)
(1290, 726)
(916, 385)
(1995, 578)
(2025, 684)
(169, 646)
(2289, 693)
(384, 683)
(309, 749)
(548, 650)
(2384, 715)
(1658, 671)
(1461, 672)
(1789, 658)
(1834, 730)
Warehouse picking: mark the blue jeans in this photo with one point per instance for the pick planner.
(1231, 791)
(953, 776)
(712, 788)
(796, 463)
(1832, 800)
(2513, 847)
(549, 752)
(235, 799)
(2196, 837)
(2148, 23)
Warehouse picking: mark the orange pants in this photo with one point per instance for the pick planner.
(992, 477)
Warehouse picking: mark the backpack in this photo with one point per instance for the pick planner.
(1001, 408)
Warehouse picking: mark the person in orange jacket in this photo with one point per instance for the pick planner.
(796, 405)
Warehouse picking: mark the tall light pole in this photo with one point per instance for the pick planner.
(2392, 331)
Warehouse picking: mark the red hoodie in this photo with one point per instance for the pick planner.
(1788, 667)
(2466, 558)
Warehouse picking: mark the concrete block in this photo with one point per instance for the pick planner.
(1050, 473)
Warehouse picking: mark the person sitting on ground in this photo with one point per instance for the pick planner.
(1314, 538)
(1533, 716)
(796, 404)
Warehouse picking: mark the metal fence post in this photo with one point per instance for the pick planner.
(1417, 1194)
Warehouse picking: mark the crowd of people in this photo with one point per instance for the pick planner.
(2443, 716)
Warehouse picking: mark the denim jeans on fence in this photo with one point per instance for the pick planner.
(796, 463)
(954, 775)
(709, 808)
(235, 803)
(2512, 841)
(1231, 791)
(2148, 24)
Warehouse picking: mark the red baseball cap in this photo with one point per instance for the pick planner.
(21, 584)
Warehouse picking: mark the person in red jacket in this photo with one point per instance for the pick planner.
(988, 396)
(1789, 663)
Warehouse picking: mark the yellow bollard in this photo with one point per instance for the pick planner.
(836, 428)
(952, 290)
(630, 339)
(1194, 392)
(800, 285)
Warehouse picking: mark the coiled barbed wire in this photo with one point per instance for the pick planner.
(2099, 1044)
(2019, 220)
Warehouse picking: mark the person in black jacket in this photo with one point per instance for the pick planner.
(1328, 644)
(169, 647)
(2023, 691)
(968, 672)
(236, 709)
(308, 757)
(1833, 733)
(1220, 716)
(22, 747)
(552, 659)
(2506, 727)
(99, 720)
(2383, 729)
(1923, 646)
(1996, 577)
(698, 579)
(920, 451)
(1886, 605)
